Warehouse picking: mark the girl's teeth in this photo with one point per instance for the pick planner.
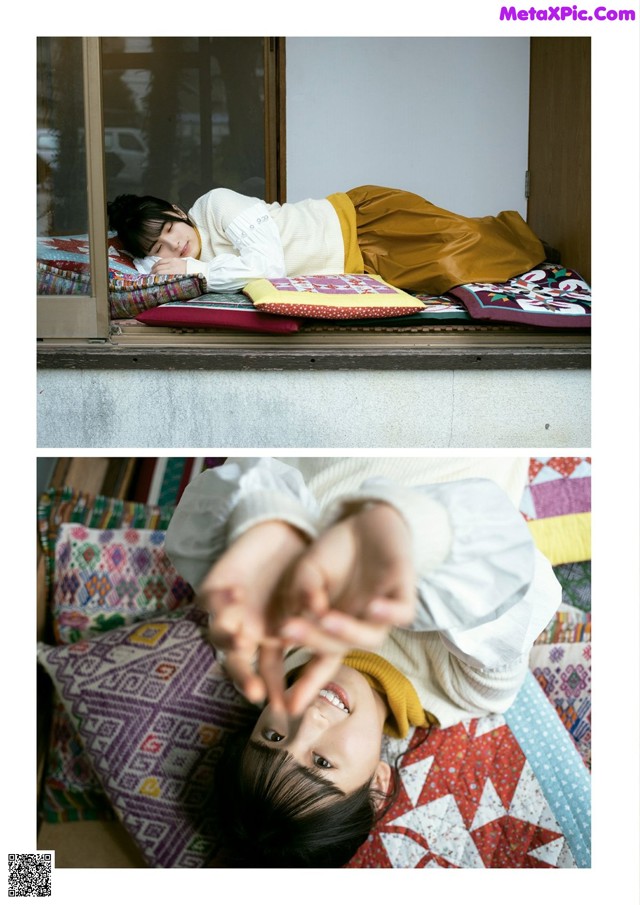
(333, 699)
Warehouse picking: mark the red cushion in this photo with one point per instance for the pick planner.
(218, 314)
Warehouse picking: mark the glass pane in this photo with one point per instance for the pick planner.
(61, 181)
(183, 116)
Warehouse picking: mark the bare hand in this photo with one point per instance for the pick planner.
(170, 265)
(347, 590)
(237, 593)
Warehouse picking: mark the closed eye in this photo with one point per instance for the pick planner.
(166, 228)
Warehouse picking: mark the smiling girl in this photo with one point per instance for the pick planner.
(412, 244)
(361, 597)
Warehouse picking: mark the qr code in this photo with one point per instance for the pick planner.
(30, 875)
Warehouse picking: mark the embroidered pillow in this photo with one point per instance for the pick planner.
(230, 310)
(341, 296)
(63, 268)
(107, 578)
(549, 296)
(104, 567)
(151, 709)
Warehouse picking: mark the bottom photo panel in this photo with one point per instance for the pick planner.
(325, 662)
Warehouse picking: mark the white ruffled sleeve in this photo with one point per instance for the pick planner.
(482, 585)
(255, 236)
(222, 503)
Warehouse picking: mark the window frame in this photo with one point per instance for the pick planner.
(77, 332)
(86, 316)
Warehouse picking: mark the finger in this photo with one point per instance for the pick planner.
(353, 631)
(335, 632)
(227, 629)
(240, 668)
(216, 596)
(317, 673)
(306, 591)
(387, 611)
(271, 670)
(312, 635)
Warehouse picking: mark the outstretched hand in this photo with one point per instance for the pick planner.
(272, 590)
(347, 590)
(237, 593)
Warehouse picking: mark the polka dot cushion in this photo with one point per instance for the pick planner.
(334, 297)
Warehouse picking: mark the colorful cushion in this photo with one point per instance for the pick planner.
(549, 296)
(107, 578)
(232, 310)
(339, 296)
(67, 504)
(63, 268)
(153, 710)
(104, 567)
(563, 671)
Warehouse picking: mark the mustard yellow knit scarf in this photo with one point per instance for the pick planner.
(402, 698)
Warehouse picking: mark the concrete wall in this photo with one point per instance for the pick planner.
(324, 409)
(444, 117)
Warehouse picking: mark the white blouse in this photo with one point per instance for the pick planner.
(244, 238)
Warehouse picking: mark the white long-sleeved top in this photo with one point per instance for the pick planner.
(484, 591)
(244, 238)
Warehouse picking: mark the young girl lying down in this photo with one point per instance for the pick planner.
(357, 596)
(409, 242)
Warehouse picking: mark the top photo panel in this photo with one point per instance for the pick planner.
(314, 242)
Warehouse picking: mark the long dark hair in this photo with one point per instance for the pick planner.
(277, 813)
(139, 220)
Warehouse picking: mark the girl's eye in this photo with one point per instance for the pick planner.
(322, 762)
(271, 735)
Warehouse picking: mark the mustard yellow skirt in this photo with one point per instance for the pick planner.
(415, 245)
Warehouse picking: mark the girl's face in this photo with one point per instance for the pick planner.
(340, 733)
(177, 240)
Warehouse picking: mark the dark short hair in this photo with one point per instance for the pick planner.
(139, 220)
(276, 813)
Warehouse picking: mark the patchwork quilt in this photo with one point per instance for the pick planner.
(498, 792)
(142, 711)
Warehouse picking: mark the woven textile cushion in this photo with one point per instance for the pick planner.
(152, 710)
(227, 309)
(549, 296)
(106, 578)
(99, 575)
(340, 296)
(63, 268)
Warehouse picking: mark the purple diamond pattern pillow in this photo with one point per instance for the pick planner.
(151, 708)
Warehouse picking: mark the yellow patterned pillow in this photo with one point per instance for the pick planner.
(345, 295)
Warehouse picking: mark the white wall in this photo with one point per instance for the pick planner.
(444, 117)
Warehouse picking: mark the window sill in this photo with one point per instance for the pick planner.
(438, 348)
